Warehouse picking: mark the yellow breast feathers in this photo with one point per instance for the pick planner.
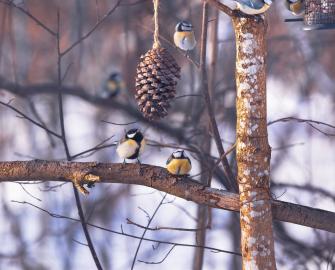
(179, 166)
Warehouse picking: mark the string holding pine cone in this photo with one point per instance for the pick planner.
(156, 81)
(156, 78)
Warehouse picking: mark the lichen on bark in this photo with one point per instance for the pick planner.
(253, 150)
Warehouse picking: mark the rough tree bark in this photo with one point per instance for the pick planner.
(253, 151)
(157, 178)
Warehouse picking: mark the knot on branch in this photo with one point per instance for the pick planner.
(81, 178)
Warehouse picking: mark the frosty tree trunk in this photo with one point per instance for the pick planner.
(253, 150)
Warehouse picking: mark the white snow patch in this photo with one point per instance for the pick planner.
(251, 265)
(254, 127)
(251, 241)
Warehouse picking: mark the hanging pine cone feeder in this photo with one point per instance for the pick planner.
(156, 81)
(156, 78)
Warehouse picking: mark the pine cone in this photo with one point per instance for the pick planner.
(156, 81)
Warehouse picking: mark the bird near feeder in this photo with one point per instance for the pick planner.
(156, 78)
(318, 14)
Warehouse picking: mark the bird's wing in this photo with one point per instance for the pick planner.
(169, 160)
(189, 160)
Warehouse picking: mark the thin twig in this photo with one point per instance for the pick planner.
(145, 230)
(81, 39)
(230, 184)
(299, 120)
(37, 21)
(39, 118)
(119, 124)
(162, 260)
(129, 221)
(31, 120)
(67, 152)
(126, 234)
(94, 149)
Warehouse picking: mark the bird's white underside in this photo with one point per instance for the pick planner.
(125, 150)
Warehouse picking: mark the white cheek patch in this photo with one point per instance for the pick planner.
(177, 154)
(132, 135)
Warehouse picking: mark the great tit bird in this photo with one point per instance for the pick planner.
(184, 36)
(131, 146)
(297, 7)
(113, 85)
(178, 163)
(250, 7)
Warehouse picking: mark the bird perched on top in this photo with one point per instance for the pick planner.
(178, 163)
(250, 7)
(297, 7)
(184, 36)
(113, 85)
(131, 146)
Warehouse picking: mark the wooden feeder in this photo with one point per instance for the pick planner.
(319, 14)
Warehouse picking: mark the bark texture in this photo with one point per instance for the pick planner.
(157, 178)
(253, 151)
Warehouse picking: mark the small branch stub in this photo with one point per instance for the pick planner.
(156, 78)
(82, 178)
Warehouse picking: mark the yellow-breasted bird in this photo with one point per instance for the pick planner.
(178, 163)
(297, 7)
(113, 85)
(184, 36)
(132, 145)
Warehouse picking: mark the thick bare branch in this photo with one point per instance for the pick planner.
(158, 178)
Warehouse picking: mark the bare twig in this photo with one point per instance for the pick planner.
(145, 230)
(36, 20)
(81, 39)
(231, 184)
(23, 115)
(129, 221)
(75, 185)
(94, 149)
(119, 124)
(300, 120)
(39, 118)
(162, 260)
(126, 234)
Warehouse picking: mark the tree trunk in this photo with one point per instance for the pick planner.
(253, 151)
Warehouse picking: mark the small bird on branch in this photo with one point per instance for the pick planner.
(178, 163)
(131, 146)
(184, 37)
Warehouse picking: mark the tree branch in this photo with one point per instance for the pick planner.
(158, 178)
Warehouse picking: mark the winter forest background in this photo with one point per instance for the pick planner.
(300, 84)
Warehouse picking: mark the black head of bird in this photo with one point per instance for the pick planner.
(134, 134)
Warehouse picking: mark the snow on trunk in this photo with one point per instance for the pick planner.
(253, 150)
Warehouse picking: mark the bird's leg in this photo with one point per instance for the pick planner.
(139, 162)
(123, 163)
